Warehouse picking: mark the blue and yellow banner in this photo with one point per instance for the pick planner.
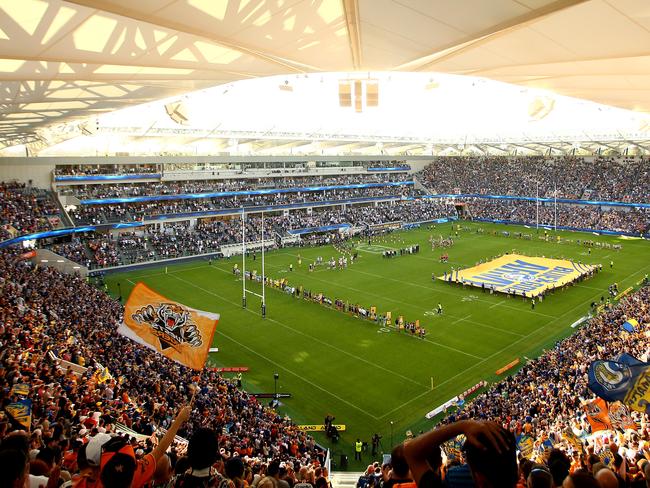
(626, 380)
(21, 389)
(572, 439)
(21, 412)
(630, 326)
(525, 444)
(514, 273)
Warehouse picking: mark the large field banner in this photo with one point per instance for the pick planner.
(514, 273)
(181, 333)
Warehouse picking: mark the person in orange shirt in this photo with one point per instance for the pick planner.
(118, 466)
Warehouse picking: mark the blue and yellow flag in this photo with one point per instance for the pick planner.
(630, 326)
(606, 456)
(102, 375)
(514, 273)
(525, 445)
(21, 389)
(21, 412)
(572, 439)
(172, 329)
(627, 382)
(453, 448)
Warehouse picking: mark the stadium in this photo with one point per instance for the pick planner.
(325, 243)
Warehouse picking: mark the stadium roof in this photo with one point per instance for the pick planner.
(67, 60)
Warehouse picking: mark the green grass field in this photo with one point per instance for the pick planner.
(374, 381)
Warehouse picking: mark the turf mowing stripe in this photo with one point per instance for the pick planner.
(484, 360)
(397, 301)
(332, 346)
(293, 373)
(505, 331)
(444, 291)
(311, 338)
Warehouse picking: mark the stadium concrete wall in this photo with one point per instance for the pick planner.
(40, 169)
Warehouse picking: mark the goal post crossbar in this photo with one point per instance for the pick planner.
(243, 258)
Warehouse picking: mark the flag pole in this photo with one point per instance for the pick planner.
(263, 273)
(243, 257)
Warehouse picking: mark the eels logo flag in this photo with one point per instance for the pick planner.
(21, 389)
(525, 444)
(21, 412)
(630, 326)
(180, 333)
(626, 380)
(522, 274)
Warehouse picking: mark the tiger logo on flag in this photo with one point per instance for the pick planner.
(171, 323)
(181, 333)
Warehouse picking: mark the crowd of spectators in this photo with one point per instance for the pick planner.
(208, 235)
(599, 178)
(75, 250)
(94, 214)
(105, 169)
(222, 185)
(364, 215)
(633, 220)
(104, 252)
(46, 316)
(546, 398)
(26, 210)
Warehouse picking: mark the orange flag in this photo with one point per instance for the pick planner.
(178, 332)
(598, 415)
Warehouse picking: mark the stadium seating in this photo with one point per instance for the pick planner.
(58, 332)
(600, 179)
(591, 179)
(58, 338)
(181, 239)
(632, 220)
(24, 210)
(64, 325)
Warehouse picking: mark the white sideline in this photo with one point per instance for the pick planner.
(273, 362)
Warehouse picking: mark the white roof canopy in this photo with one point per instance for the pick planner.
(62, 60)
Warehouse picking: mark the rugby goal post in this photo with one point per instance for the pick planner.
(243, 265)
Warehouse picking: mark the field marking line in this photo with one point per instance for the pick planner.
(543, 327)
(461, 319)
(588, 287)
(398, 301)
(443, 291)
(350, 354)
(484, 360)
(480, 324)
(170, 272)
(495, 305)
(278, 365)
(311, 338)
